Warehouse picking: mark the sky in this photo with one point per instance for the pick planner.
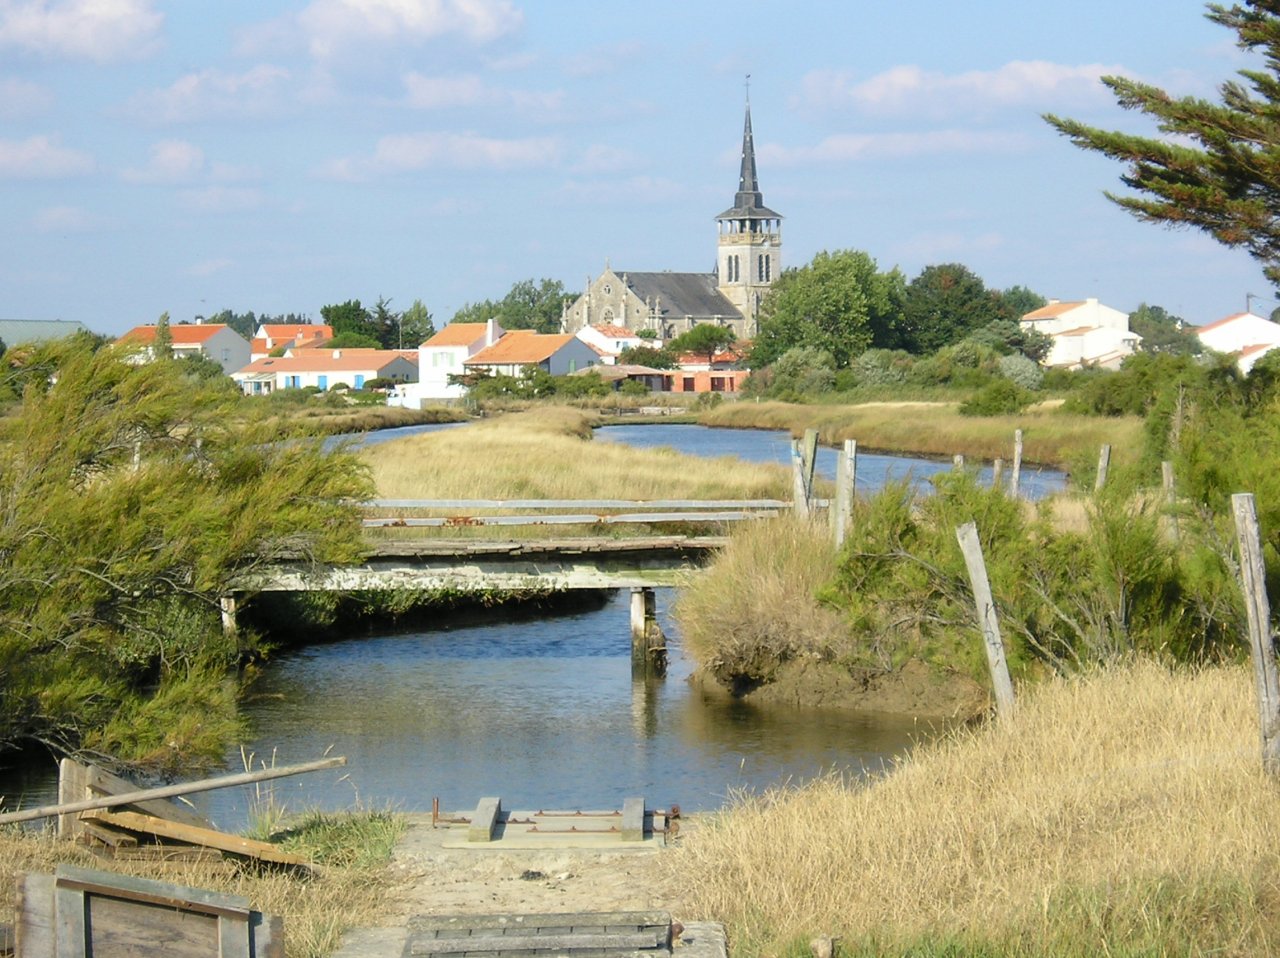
(280, 155)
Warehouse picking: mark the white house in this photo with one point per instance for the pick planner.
(214, 341)
(558, 354)
(442, 356)
(1243, 335)
(270, 336)
(325, 368)
(1084, 333)
(610, 340)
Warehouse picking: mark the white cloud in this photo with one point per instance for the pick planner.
(172, 161)
(41, 157)
(100, 30)
(326, 26)
(910, 88)
(847, 147)
(62, 219)
(401, 153)
(208, 267)
(257, 92)
(20, 99)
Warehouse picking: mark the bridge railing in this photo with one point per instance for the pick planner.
(529, 512)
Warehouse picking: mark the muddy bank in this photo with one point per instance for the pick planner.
(916, 689)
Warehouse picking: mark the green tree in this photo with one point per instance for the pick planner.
(162, 345)
(705, 339)
(416, 326)
(1016, 301)
(133, 496)
(529, 304)
(647, 356)
(386, 324)
(1163, 332)
(943, 305)
(346, 340)
(1214, 166)
(839, 303)
(350, 317)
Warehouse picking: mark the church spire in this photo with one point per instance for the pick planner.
(749, 196)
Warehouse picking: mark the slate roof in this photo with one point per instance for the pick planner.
(14, 332)
(748, 202)
(681, 294)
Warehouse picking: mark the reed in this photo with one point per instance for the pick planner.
(1050, 437)
(1123, 811)
(548, 453)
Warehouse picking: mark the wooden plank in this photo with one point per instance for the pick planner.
(170, 791)
(629, 941)
(522, 923)
(485, 820)
(150, 891)
(102, 782)
(1253, 582)
(69, 923)
(633, 820)
(150, 825)
(576, 504)
(33, 916)
(967, 535)
(6, 940)
(124, 927)
(106, 835)
(73, 786)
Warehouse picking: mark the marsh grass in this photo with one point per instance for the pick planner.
(1121, 812)
(1050, 436)
(348, 890)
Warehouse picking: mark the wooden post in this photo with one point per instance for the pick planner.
(1261, 641)
(846, 474)
(957, 462)
(1017, 463)
(1104, 463)
(230, 627)
(809, 453)
(1002, 685)
(799, 497)
(648, 644)
(997, 473)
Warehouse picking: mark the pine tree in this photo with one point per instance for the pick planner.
(1218, 166)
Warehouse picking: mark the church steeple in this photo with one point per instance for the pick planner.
(750, 236)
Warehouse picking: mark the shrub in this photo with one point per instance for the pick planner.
(804, 370)
(1020, 370)
(1002, 397)
(881, 367)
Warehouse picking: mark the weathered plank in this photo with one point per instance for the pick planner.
(485, 820)
(556, 920)
(1002, 685)
(633, 820)
(558, 944)
(776, 504)
(208, 837)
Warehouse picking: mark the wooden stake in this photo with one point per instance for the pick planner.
(1017, 463)
(1104, 463)
(957, 463)
(997, 473)
(809, 450)
(846, 477)
(799, 497)
(1261, 640)
(1001, 684)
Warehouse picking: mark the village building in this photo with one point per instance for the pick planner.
(558, 354)
(214, 341)
(326, 368)
(748, 260)
(610, 340)
(1084, 333)
(269, 337)
(23, 332)
(440, 361)
(1243, 335)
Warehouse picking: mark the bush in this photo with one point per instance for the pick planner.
(804, 370)
(1002, 397)
(881, 367)
(1020, 370)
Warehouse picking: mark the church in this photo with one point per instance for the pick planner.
(749, 258)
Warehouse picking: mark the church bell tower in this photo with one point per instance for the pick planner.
(750, 242)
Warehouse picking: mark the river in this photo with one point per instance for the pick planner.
(537, 706)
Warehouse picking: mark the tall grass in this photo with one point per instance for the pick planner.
(548, 453)
(1120, 812)
(937, 429)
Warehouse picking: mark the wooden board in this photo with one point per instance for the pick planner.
(207, 837)
(77, 782)
(575, 934)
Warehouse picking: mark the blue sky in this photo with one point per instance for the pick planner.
(278, 155)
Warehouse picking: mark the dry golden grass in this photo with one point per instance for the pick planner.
(755, 603)
(1124, 812)
(548, 453)
(316, 909)
(937, 429)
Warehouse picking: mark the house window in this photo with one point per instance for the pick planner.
(573, 365)
(768, 269)
(688, 384)
(760, 268)
(291, 382)
(322, 381)
(226, 356)
(359, 381)
(608, 289)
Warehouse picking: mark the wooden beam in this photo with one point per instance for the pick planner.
(206, 837)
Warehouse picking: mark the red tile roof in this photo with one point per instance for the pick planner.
(614, 331)
(323, 360)
(1050, 311)
(520, 346)
(1224, 321)
(457, 334)
(280, 332)
(183, 334)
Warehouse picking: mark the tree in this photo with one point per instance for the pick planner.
(133, 495)
(349, 317)
(529, 304)
(839, 303)
(704, 339)
(1016, 301)
(943, 305)
(1214, 167)
(345, 340)
(386, 324)
(162, 345)
(647, 356)
(1163, 332)
(416, 326)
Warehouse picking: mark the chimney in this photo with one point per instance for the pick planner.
(490, 332)
(337, 354)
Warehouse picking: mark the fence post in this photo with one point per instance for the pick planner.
(846, 477)
(799, 495)
(957, 462)
(1104, 463)
(809, 452)
(1002, 685)
(1017, 463)
(1261, 642)
(997, 473)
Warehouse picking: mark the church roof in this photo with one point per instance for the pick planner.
(748, 202)
(681, 294)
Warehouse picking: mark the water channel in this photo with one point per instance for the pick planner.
(538, 706)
